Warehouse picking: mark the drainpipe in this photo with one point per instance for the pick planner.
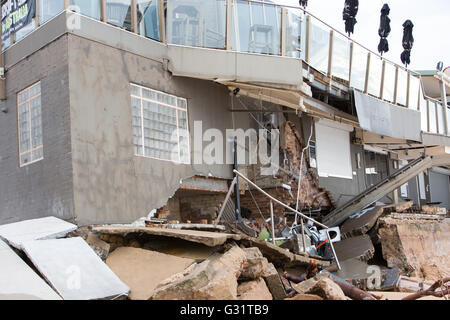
(236, 190)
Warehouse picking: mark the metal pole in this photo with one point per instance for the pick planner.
(162, 21)
(103, 12)
(332, 248)
(284, 13)
(227, 198)
(237, 193)
(134, 23)
(229, 27)
(273, 222)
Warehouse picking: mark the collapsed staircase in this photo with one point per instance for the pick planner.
(384, 187)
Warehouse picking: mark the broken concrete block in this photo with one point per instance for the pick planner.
(412, 284)
(307, 285)
(36, 229)
(142, 270)
(254, 290)
(420, 248)
(100, 247)
(74, 270)
(256, 264)
(404, 206)
(328, 289)
(322, 286)
(305, 297)
(362, 224)
(434, 210)
(213, 279)
(273, 282)
(19, 281)
(360, 247)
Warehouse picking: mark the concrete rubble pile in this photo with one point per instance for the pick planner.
(184, 263)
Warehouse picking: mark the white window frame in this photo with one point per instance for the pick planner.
(177, 108)
(31, 148)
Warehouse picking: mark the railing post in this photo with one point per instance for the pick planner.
(307, 37)
(366, 84)
(284, 13)
(383, 70)
(272, 222)
(330, 54)
(134, 23)
(229, 26)
(162, 21)
(103, 12)
(38, 13)
(444, 104)
(428, 115)
(351, 64)
(408, 86)
(396, 85)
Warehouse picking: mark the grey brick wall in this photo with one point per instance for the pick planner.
(43, 188)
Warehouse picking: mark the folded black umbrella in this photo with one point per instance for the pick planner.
(408, 42)
(384, 30)
(349, 15)
(303, 3)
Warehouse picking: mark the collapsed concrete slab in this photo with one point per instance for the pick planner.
(420, 248)
(74, 270)
(360, 225)
(360, 247)
(214, 279)
(280, 256)
(19, 281)
(36, 229)
(142, 270)
(210, 239)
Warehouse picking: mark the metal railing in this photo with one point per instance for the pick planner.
(223, 209)
(260, 27)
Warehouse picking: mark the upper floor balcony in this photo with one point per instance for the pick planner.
(331, 61)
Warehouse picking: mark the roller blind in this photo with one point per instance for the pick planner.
(333, 150)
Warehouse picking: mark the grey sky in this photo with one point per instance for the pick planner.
(431, 20)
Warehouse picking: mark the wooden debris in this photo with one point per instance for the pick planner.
(440, 288)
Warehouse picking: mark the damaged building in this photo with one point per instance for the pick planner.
(106, 107)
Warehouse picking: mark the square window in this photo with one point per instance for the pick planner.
(160, 125)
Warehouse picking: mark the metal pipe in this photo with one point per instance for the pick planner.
(273, 222)
(229, 27)
(236, 192)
